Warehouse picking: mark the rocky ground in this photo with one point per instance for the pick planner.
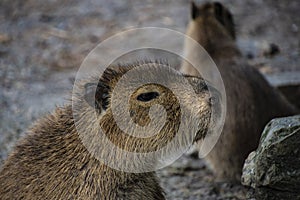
(42, 44)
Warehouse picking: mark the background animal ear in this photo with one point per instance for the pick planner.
(219, 12)
(218, 5)
(194, 10)
(224, 16)
(97, 95)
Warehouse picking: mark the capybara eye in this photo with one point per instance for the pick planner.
(147, 96)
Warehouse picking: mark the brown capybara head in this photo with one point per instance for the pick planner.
(214, 11)
(144, 107)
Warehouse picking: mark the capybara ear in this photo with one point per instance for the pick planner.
(97, 95)
(218, 8)
(224, 16)
(194, 10)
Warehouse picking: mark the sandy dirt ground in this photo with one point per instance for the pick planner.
(42, 44)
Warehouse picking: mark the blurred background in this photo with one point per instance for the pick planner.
(42, 44)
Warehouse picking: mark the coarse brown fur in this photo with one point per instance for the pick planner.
(51, 161)
(251, 101)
